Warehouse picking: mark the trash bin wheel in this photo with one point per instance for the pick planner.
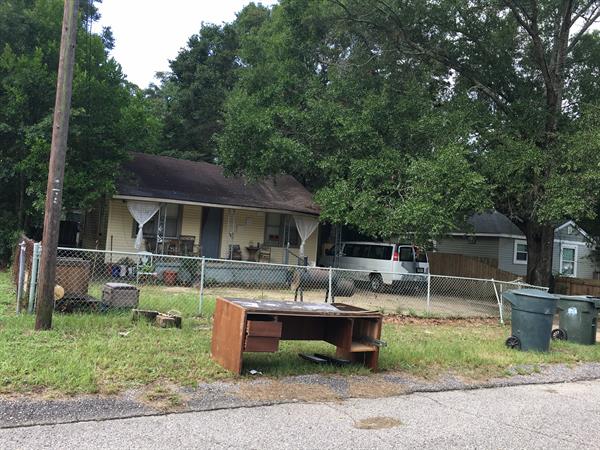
(559, 334)
(513, 342)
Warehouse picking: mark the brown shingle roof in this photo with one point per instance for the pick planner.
(177, 179)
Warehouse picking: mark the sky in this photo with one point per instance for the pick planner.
(148, 33)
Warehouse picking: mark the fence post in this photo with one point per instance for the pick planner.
(428, 291)
(37, 247)
(201, 286)
(498, 299)
(330, 285)
(21, 276)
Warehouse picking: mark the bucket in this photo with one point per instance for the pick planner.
(170, 277)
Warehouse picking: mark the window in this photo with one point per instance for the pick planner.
(568, 260)
(170, 222)
(520, 252)
(281, 229)
(406, 254)
(380, 252)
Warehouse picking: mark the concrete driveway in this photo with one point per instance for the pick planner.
(534, 416)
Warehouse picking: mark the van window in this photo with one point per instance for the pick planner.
(380, 252)
(406, 254)
(421, 255)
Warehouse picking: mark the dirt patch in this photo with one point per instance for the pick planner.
(377, 423)
(460, 322)
(277, 391)
(163, 398)
(374, 389)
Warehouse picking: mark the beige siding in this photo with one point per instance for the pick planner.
(249, 227)
(246, 227)
(191, 222)
(119, 228)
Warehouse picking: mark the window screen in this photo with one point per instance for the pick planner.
(281, 229)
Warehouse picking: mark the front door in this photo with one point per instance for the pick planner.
(212, 220)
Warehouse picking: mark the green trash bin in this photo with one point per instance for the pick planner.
(577, 319)
(531, 319)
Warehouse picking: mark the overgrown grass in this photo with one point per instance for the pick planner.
(94, 353)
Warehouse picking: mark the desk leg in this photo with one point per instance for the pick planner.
(227, 344)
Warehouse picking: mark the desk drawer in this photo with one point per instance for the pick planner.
(261, 344)
(263, 328)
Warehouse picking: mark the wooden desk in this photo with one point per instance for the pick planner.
(258, 326)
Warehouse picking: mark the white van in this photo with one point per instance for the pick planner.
(383, 263)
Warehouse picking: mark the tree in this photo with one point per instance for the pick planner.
(201, 76)
(101, 123)
(500, 91)
(319, 102)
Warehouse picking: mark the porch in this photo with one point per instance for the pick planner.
(221, 232)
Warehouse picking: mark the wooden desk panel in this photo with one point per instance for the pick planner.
(252, 325)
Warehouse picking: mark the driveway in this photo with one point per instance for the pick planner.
(534, 416)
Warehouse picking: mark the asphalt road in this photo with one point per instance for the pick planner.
(535, 416)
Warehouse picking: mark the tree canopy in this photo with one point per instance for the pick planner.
(105, 114)
(408, 116)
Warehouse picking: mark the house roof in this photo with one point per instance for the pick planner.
(163, 177)
(493, 224)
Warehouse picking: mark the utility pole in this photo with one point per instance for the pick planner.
(56, 169)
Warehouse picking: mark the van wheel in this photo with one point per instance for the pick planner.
(376, 282)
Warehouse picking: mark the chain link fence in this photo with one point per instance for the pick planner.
(93, 281)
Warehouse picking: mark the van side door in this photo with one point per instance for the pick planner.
(406, 258)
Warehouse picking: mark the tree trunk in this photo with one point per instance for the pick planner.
(540, 241)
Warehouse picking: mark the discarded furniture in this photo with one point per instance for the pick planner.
(163, 320)
(264, 253)
(73, 274)
(258, 326)
(120, 295)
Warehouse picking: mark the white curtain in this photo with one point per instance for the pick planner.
(142, 212)
(306, 226)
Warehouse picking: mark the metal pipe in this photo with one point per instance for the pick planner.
(498, 300)
(37, 248)
(21, 277)
(428, 292)
(329, 295)
(201, 285)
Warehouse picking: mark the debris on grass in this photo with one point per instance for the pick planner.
(163, 398)
(276, 391)
(400, 319)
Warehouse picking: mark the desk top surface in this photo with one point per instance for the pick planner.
(301, 308)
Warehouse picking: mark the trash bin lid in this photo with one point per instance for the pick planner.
(537, 293)
(532, 300)
(580, 298)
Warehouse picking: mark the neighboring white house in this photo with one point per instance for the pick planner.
(495, 237)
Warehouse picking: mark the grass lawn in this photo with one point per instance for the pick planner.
(86, 353)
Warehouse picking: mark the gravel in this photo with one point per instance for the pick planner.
(29, 410)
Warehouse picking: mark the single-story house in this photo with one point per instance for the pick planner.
(495, 237)
(192, 208)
